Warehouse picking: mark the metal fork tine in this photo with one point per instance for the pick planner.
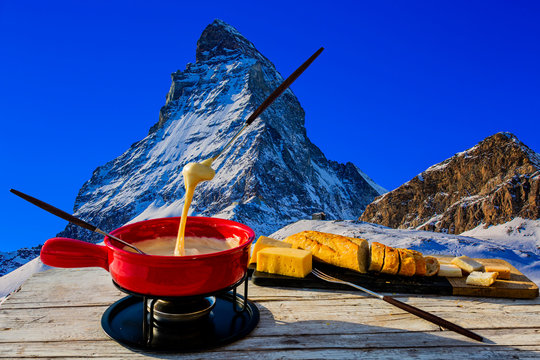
(323, 276)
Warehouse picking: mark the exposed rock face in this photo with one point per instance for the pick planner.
(9, 261)
(491, 183)
(270, 176)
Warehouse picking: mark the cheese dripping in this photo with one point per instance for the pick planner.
(193, 173)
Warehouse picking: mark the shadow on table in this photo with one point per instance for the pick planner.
(330, 339)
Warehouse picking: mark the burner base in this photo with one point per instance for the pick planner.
(122, 322)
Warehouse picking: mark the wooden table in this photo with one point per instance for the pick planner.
(57, 314)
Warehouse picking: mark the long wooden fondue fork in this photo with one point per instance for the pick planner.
(409, 308)
(273, 96)
(72, 219)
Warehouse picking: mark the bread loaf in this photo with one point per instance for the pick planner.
(420, 263)
(391, 261)
(432, 265)
(407, 265)
(376, 257)
(343, 251)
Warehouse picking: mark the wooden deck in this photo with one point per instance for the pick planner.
(57, 314)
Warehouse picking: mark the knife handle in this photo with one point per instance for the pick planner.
(432, 318)
(282, 87)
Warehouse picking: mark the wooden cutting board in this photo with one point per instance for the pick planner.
(518, 287)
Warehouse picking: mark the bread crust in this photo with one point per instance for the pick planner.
(376, 257)
(432, 265)
(391, 261)
(420, 263)
(407, 265)
(343, 251)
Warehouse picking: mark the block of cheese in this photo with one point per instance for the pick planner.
(264, 242)
(467, 264)
(449, 270)
(407, 265)
(481, 278)
(343, 251)
(503, 271)
(284, 261)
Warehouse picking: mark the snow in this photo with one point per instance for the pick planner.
(433, 220)
(493, 244)
(13, 280)
(370, 181)
(520, 233)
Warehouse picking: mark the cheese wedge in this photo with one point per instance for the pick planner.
(481, 278)
(467, 264)
(283, 261)
(503, 271)
(264, 242)
(449, 270)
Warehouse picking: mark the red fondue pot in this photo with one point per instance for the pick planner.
(160, 275)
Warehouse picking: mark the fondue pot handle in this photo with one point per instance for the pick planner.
(71, 253)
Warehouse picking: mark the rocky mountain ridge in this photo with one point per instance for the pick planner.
(491, 183)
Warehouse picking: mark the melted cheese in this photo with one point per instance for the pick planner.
(194, 173)
(165, 246)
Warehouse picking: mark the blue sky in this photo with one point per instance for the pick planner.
(402, 85)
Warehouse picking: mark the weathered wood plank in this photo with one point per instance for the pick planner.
(57, 314)
(83, 323)
(349, 346)
(110, 350)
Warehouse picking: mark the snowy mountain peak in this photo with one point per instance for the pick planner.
(270, 176)
(220, 39)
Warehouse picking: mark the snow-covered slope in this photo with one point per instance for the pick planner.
(270, 176)
(518, 233)
(525, 259)
(11, 260)
(13, 280)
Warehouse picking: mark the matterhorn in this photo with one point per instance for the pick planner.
(272, 174)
